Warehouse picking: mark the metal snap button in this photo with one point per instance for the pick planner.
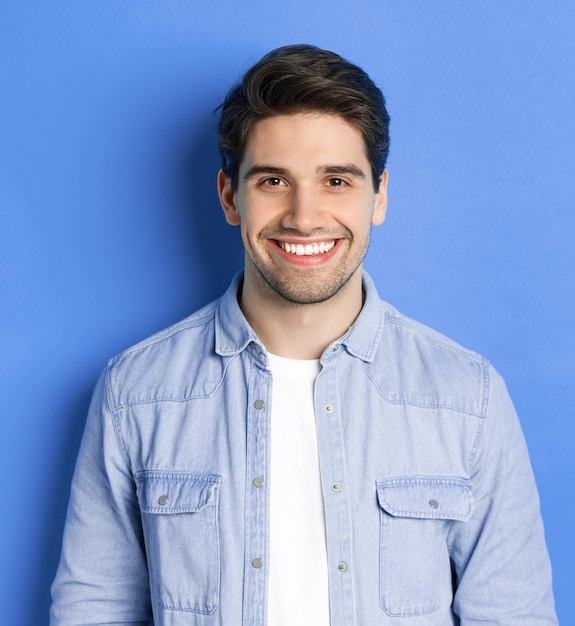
(259, 404)
(433, 504)
(163, 500)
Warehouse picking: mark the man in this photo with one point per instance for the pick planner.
(298, 452)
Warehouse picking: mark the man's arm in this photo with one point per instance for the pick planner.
(500, 558)
(102, 577)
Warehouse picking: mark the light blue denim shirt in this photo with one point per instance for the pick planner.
(431, 510)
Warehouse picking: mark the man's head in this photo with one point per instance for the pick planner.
(303, 79)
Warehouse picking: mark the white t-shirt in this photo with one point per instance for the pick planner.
(298, 575)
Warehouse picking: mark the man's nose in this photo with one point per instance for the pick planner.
(305, 212)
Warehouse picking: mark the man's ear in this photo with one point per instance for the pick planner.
(380, 205)
(228, 199)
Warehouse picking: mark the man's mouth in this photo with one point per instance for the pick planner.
(307, 249)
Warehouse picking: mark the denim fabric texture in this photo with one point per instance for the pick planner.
(435, 520)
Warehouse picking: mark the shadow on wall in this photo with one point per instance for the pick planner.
(214, 245)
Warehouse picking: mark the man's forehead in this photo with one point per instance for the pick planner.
(326, 131)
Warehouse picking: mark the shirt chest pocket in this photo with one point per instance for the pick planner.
(415, 516)
(180, 520)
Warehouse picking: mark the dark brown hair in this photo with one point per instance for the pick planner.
(303, 78)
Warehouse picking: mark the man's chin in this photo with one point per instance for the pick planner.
(304, 292)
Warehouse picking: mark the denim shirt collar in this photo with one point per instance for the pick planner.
(234, 334)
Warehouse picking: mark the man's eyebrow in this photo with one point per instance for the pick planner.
(263, 169)
(348, 168)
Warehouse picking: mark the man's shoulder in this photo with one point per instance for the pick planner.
(192, 326)
(169, 364)
(408, 330)
(401, 337)
(421, 366)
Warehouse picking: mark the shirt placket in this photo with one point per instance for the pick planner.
(334, 486)
(257, 497)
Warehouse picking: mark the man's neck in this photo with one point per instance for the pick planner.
(300, 331)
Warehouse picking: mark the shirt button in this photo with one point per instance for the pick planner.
(336, 487)
(257, 563)
(258, 482)
(163, 500)
(342, 567)
(259, 404)
(329, 408)
(433, 504)
(335, 348)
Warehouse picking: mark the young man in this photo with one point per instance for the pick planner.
(298, 452)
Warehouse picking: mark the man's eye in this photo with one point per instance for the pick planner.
(272, 182)
(336, 182)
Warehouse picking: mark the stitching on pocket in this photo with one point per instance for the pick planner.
(180, 514)
(415, 515)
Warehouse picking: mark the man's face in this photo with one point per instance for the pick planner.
(305, 203)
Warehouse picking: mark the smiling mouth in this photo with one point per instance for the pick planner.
(307, 249)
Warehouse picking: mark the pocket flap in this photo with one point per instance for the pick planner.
(175, 492)
(426, 497)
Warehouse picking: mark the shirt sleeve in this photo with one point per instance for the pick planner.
(102, 577)
(500, 560)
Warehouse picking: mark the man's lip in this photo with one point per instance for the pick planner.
(304, 240)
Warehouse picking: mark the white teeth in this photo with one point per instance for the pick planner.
(308, 249)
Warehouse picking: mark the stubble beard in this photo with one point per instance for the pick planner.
(304, 286)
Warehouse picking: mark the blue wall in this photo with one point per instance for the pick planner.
(110, 226)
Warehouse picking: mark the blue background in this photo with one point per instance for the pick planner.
(110, 227)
